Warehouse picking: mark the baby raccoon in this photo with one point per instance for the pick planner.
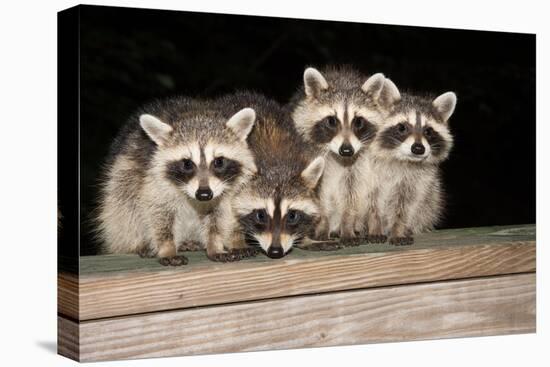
(338, 111)
(412, 141)
(279, 207)
(169, 181)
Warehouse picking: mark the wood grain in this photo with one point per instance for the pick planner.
(116, 294)
(476, 307)
(68, 338)
(68, 294)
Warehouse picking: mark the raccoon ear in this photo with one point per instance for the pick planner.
(313, 172)
(445, 105)
(157, 130)
(389, 95)
(241, 123)
(373, 85)
(314, 82)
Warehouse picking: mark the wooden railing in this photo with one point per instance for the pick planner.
(450, 283)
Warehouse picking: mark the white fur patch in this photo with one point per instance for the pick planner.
(264, 239)
(355, 143)
(287, 241)
(238, 153)
(270, 206)
(245, 206)
(216, 185)
(335, 144)
(191, 187)
(307, 206)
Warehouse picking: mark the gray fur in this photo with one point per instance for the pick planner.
(409, 197)
(345, 188)
(141, 210)
(287, 175)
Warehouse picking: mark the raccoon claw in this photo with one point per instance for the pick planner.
(234, 255)
(377, 238)
(323, 246)
(244, 253)
(177, 260)
(401, 241)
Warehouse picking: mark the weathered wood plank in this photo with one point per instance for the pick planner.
(440, 255)
(68, 294)
(475, 307)
(68, 338)
(96, 265)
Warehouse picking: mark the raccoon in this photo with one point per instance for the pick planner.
(279, 207)
(170, 179)
(338, 112)
(405, 155)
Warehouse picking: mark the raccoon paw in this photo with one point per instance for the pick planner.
(247, 252)
(401, 241)
(176, 260)
(323, 246)
(376, 238)
(233, 255)
(190, 246)
(147, 252)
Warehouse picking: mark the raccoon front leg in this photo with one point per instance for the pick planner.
(322, 230)
(400, 235)
(236, 247)
(375, 231)
(164, 240)
(215, 251)
(348, 237)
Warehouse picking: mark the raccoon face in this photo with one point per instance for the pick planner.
(342, 119)
(276, 218)
(203, 166)
(418, 130)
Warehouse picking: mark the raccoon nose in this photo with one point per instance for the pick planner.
(275, 252)
(346, 150)
(204, 194)
(418, 149)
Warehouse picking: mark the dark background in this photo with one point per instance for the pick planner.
(130, 56)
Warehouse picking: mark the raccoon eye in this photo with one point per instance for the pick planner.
(292, 217)
(402, 128)
(219, 162)
(187, 165)
(261, 216)
(331, 121)
(358, 122)
(428, 132)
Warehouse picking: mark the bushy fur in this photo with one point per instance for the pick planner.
(408, 197)
(338, 111)
(149, 198)
(279, 207)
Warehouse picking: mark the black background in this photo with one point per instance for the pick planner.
(130, 56)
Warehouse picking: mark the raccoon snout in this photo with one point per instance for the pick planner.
(204, 194)
(346, 150)
(275, 252)
(418, 149)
